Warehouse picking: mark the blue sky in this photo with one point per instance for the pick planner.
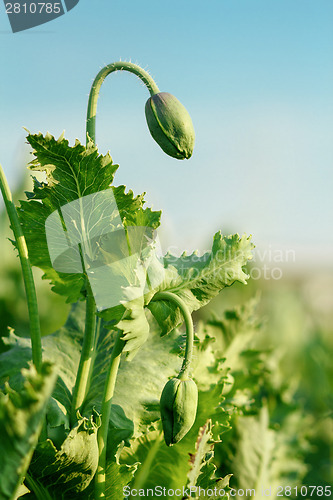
(257, 79)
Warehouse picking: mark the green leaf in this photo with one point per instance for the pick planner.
(218, 488)
(22, 490)
(140, 279)
(69, 221)
(238, 334)
(202, 474)
(38, 491)
(265, 447)
(208, 366)
(135, 327)
(62, 348)
(203, 453)
(21, 420)
(252, 461)
(159, 462)
(72, 172)
(69, 470)
(137, 391)
(198, 279)
(121, 430)
(266, 457)
(17, 356)
(208, 478)
(117, 477)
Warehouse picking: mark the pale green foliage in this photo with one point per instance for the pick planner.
(252, 460)
(135, 327)
(268, 439)
(21, 420)
(118, 476)
(230, 366)
(70, 469)
(266, 457)
(72, 173)
(203, 453)
(159, 463)
(197, 279)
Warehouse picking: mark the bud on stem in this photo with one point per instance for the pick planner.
(168, 121)
(179, 401)
(170, 125)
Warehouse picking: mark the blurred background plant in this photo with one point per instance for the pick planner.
(13, 307)
(290, 355)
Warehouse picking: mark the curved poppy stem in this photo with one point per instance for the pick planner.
(177, 301)
(100, 477)
(96, 86)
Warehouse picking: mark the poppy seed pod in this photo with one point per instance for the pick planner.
(170, 125)
(178, 404)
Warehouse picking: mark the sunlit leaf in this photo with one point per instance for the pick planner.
(21, 420)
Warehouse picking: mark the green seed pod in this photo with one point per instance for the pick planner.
(179, 401)
(170, 125)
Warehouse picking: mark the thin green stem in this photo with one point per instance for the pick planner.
(100, 477)
(87, 353)
(119, 344)
(172, 297)
(28, 279)
(96, 86)
(94, 355)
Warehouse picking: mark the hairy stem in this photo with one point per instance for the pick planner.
(85, 368)
(110, 382)
(26, 271)
(172, 297)
(96, 86)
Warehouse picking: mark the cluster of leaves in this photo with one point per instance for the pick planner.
(268, 440)
(245, 431)
(248, 433)
(65, 459)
